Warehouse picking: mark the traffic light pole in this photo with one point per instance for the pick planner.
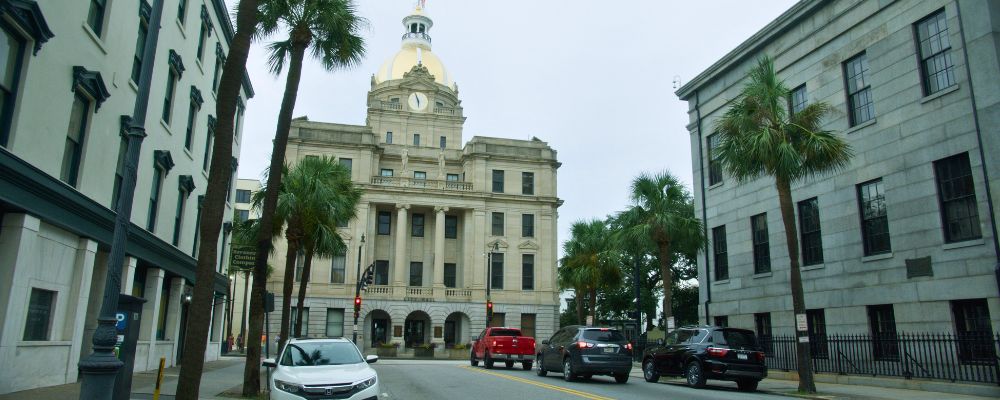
(357, 293)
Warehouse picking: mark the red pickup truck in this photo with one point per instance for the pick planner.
(502, 344)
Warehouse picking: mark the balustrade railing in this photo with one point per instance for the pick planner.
(379, 290)
(398, 181)
(419, 292)
(463, 293)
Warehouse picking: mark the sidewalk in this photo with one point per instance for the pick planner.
(225, 375)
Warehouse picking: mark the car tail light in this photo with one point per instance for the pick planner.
(717, 352)
(494, 343)
(760, 356)
(628, 346)
(583, 345)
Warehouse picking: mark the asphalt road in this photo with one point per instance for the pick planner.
(419, 380)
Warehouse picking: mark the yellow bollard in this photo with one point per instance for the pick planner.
(159, 380)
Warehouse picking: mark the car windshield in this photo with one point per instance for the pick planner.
(734, 338)
(603, 335)
(505, 332)
(306, 354)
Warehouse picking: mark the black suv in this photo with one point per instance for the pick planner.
(584, 351)
(707, 352)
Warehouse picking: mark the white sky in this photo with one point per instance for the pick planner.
(594, 79)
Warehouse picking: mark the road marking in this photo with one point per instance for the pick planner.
(585, 395)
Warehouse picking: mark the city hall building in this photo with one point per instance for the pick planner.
(434, 209)
(69, 76)
(904, 239)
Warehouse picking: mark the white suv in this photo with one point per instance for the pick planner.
(322, 369)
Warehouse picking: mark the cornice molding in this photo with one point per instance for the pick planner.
(28, 16)
(90, 83)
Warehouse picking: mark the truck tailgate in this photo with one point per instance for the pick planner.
(512, 345)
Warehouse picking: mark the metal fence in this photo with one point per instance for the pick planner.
(956, 358)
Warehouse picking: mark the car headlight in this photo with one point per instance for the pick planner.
(287, 386)
(367, 383)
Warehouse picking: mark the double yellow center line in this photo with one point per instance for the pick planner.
(539, 384)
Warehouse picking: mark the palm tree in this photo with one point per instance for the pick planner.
(589, 263)
(213, 211)
(340, 200)
(330, 28)
(662, 217)
(760, 137)
(568, 280)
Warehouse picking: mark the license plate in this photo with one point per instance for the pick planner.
(741, 356)
(609, 349)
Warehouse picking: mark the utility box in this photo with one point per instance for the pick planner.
(129, 315)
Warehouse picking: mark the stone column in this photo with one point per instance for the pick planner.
(478, 250)
(173, 325)
(400, 259)
(439, 289)
(83, 270)
(360, 229)
(128, 274)
(151, 315)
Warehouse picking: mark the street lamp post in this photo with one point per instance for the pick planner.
(99, 369)
(357, 290)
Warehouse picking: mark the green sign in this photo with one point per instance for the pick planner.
(243, 257)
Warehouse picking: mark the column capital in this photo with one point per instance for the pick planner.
(441, 209)
(401, 206)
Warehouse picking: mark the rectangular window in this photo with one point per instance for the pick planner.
(450, 226)
(384, 222)
(381, 272)
(202, 37)
(305, 320)
(499, 319)
(182, 10)
(347, 163)
(209, 138)
(161, 319)
(452, 177)
(874, 219)
(497, 224)
(242, 196)
(243, 215)
(300, 261)
(527, 272)
(936, 67)
(119, 173)
(762, 321)
(444, 142)
(528, 183)
(416, 274)
(179, 215)
(11, 51)
(75, 134)
(761, 249)
(798, 99)
(95, 18)
(337, 267)
(334, 322)
(496, 271)
(860, 108)
(812, 241)
(882, 322)
(140, 46)
(385, 172)
(450, 275)
(154, 198)
(973, 331)
(816, 321)
(420, 175)
(388, 137)
(498, 181)
(416, 139)
(721, 321)
(168, 97)
(39, 320)
(720, 252)
(957, 195)
(714, 165)
(527, 225)
(528, 325)
(189, 131)
(417, 225)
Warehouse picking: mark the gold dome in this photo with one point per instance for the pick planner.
(408, 57)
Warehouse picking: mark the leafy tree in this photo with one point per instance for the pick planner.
(213, 210)
(329, 28)
(590, 262)
(759, 137)
(662, 217)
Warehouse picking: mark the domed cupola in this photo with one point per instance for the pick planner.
(416, 50)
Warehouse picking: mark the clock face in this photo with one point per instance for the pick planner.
(418, 101)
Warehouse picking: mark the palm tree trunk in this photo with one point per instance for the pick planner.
(593, 305)
(213, 208)
(663, 248)
(579, 305)
(306, 267)
(243, 308)
(292, 237)
(803, 356)
(251, 373)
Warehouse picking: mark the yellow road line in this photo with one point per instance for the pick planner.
(585, 395)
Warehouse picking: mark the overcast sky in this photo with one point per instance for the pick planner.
(594, 79)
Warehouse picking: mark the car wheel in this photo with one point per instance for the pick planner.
(472, 359)
(540, 371)
(526, 365)
(568, 370)
(649, 371)
(747, 385)
(487, 361)
(694, 374)
(509, 364)
(621, 378)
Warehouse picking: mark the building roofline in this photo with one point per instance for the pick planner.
(780, 25)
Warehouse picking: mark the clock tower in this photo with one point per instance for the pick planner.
(413, 100)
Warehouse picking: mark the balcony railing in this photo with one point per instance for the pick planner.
(390, 105)
(445, 110)
(398, 181)
(419, 293)
(458, 293)
(417, 35)
(379, 291)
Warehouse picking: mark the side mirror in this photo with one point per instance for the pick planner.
(545, 342)
(371, 359)
(659, 342)
(270, 363)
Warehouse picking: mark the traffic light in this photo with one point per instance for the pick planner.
(357, 304)
(489, 310)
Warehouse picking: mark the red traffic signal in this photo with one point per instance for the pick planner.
(357, 304)
(489, 305)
